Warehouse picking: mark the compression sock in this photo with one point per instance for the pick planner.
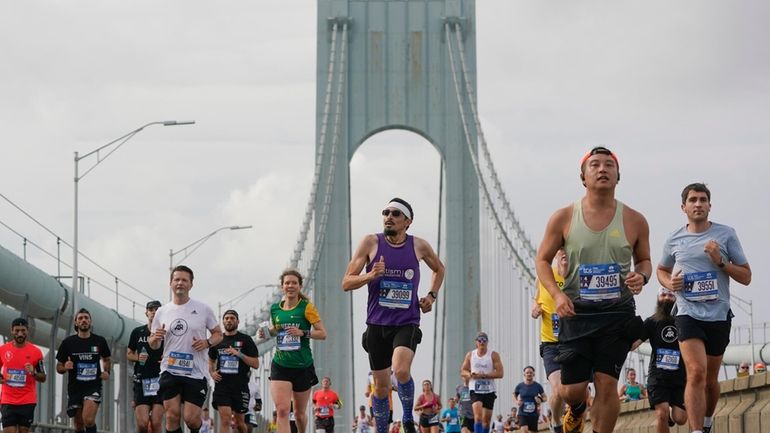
(381, 413)
(406, 395)
(578, 409)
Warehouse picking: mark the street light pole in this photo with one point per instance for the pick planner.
(76, 287)
(195, 245)
(240, 297)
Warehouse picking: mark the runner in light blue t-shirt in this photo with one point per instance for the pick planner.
(707, 256)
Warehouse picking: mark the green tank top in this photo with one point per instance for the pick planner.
(633, 392)
(598, 263)
(293, 352)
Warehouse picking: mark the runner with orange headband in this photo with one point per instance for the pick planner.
(602, 238)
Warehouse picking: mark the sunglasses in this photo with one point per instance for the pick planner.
(744, 368)
(395, 212)
(482, 340)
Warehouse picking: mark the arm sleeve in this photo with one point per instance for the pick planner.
(250, 348)
(105, 350)
(62, 353)
(213, 353)
(311, 314)
(735, 250)
(211, 319)
(133, 341)
(667, 259)
(647, 330)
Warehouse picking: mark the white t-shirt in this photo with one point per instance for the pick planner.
(183, 322)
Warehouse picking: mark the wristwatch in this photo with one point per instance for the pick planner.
(645, 277)
(721, 263)
(433, 294)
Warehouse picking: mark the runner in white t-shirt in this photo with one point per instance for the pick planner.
(182, 325)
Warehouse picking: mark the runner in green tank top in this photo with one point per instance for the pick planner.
(602, 237)
(294, 321)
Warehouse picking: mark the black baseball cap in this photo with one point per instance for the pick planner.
(233, 312)
(153, 305)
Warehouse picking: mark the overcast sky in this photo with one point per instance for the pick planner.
(679, 90)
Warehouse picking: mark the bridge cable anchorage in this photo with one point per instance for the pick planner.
(520, 233)
(523, 266)
(305, 227)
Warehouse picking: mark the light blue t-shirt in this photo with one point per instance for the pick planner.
(706, 295)
(453, 424)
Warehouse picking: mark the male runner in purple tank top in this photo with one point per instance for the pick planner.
(392, 261)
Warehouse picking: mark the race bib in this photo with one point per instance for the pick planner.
(528, 407)
(16, 378)
(395, 294)
(150, 386)
(181, 363)
(600, 282)
(555, 324)
(667, 359)
(287, 342)
(86, 371)
(323, 411)
(701, 286)
(483, 385)
(453, 421)
(228, 364)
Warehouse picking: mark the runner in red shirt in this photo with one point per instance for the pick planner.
(325, 400)
(22, 365)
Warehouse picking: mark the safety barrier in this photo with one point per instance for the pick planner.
(743, 407)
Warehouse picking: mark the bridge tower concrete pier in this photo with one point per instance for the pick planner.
(397, 75)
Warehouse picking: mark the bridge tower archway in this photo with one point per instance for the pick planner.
(396, 74)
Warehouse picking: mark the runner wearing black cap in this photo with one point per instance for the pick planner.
(230, 364)
(148, 406)
(22, 367)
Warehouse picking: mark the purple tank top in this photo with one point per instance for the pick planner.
(393, 299)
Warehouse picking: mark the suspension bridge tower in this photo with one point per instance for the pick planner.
(385, 64)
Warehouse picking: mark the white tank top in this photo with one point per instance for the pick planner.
(363, 425)
(483, 365)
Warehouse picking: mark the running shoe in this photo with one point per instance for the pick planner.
(572, 423)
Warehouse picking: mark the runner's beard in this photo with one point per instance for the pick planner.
(663, 309)
(20, 339)
(230, 327)
(390, 231)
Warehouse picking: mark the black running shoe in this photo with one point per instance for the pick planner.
(408, 426)
(707, 429)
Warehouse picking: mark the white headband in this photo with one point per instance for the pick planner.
(664, 291)
(400, 206)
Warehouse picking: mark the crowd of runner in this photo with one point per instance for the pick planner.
(593, 260)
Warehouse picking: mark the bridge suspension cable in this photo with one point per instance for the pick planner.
(322, 160)
(518, 244)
